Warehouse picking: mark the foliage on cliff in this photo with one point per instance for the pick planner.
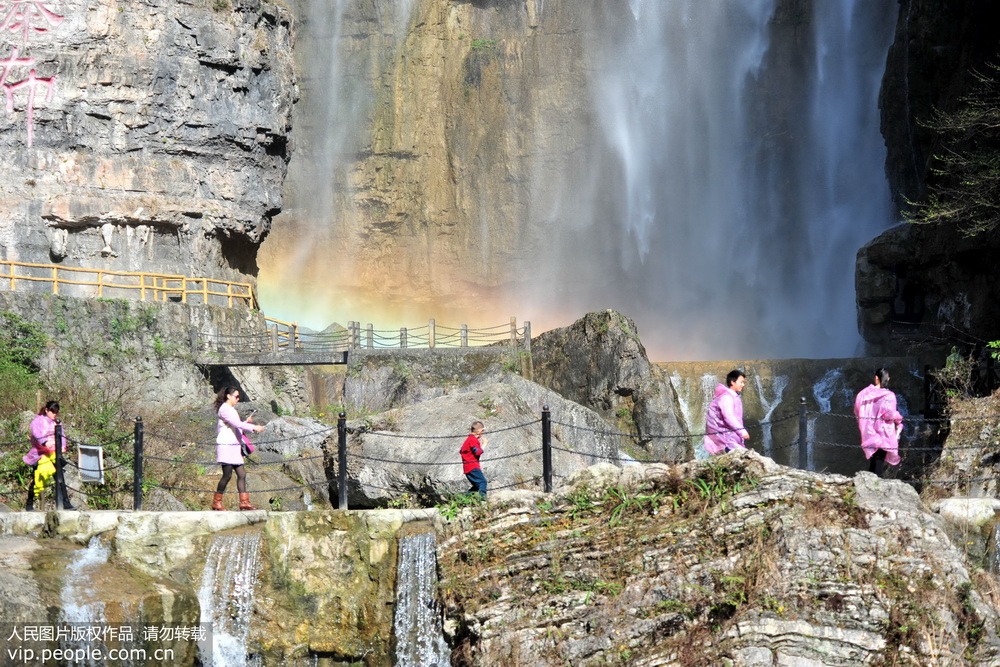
(963, 189)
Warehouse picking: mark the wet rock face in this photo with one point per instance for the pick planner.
(150, 136)
(734, 561)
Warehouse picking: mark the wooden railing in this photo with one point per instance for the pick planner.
(101, 283)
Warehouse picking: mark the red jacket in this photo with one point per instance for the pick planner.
(471, 451)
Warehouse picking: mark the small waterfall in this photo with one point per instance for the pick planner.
(419, 635)
(693, 397)
(226, 596)
(80, 603)
(778, 385)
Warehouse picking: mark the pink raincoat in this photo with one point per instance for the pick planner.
(42, 430)
(227, 442)
(724, 421)
(879, 422)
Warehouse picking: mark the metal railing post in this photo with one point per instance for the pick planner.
(137, 467)
(342, 461)
(431, 331)
(547, 448)
(62, 498)
(464, 335)
(803, 433)
(402, 338)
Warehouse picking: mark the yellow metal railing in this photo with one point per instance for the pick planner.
(150, 286)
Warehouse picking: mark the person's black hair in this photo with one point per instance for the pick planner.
(223, 394)
(883, 375)
(475, 424)
(50, 405)
(733, 376)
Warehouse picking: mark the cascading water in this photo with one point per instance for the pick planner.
(226, 596)
(778, 383)
(80, 604)
(694, 397)
(419, 636)
(725, 171)
(752, 171)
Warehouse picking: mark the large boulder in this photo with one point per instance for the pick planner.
(599, 362)
(415, 449)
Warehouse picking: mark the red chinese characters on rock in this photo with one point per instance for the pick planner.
(26, 17)
(22, 19)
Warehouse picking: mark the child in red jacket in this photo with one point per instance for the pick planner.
(471, 450)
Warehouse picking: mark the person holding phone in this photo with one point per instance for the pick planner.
(228, 451)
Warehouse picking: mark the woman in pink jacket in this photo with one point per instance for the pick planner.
(879, 422)
(42, 436)
(228, 452)
(724, 419)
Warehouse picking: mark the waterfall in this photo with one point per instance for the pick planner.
(715, 182)
(778, 384)
(226, 596)
(419, 636)
(752, 169)
(694, 401)
(79, 600)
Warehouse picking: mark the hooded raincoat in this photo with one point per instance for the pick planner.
(724, 421)
(879, 422)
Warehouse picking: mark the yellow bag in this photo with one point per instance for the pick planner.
(45, 471)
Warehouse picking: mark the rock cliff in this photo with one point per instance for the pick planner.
(928, 289)
(151, 136)
(730, 562)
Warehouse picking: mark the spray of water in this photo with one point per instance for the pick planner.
(732, 169)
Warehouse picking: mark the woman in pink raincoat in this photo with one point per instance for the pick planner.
(724, 418)
(228, 452)
(42, 435)
(879, 422)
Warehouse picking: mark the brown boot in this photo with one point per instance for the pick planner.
(245, 502)
(217, 503)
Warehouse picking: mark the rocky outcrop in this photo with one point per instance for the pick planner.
(413, 451)
(599, 362)
(145, 352)
(927, 289)
(734, 561)
(151, 137)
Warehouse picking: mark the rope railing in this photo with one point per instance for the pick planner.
(336, 476)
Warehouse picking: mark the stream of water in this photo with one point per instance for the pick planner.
(419, 636)
(226, 596)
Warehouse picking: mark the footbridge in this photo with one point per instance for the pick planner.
(280, 343)
(287, 344)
